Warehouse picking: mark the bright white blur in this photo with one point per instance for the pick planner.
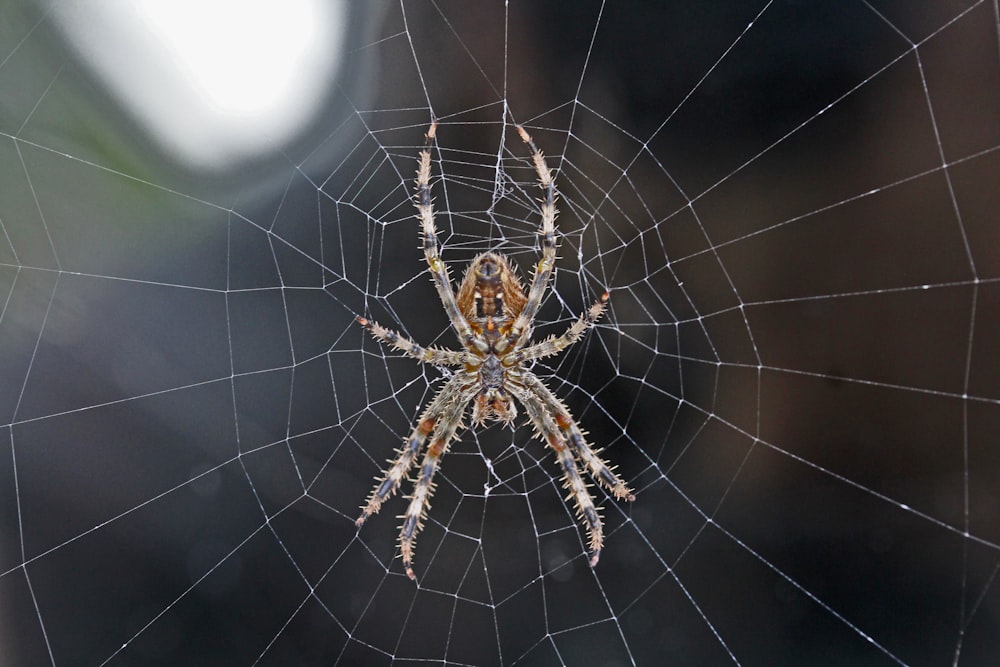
(212, 81)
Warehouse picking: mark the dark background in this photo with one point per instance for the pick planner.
(798, 372)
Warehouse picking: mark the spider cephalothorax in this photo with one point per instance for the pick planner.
(492, 316)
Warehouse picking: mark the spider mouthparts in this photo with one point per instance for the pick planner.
(360, 521)
(525, 137)
(362, 321)
(594, 557)
(410, 573)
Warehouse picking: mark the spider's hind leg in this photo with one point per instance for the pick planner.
(546, 265)
(432, 246)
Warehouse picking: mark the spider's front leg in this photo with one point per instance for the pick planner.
(389, 482)
(548, 430)
(416, 511)
(555, 425)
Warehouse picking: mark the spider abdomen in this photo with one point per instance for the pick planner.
(490, 292)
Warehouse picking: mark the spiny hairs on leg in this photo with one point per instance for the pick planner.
(556, 344)
(546, 265)
(431, 245)
(598, 468)
(547, 428)
(412, 349)
(394, 474)
(388, 483)
(423, 489)
(554, 424)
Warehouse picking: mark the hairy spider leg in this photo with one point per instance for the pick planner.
(598, 468)
(556, 344)
(432, 248)
(550, 432)
(390, 480)
(416, 511)
(546, 265)
(427, 355)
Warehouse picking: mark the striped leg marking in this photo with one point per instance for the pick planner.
(596, 466)
(389, 482)
(432, 247)
(586, 512)
(416, 511)
(426, 355)
(546, 265)
(556, 344)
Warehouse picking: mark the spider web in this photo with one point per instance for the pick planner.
(794, 209)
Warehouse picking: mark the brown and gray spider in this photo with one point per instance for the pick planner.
(493, 319)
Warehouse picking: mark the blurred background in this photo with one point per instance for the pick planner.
(792, 204)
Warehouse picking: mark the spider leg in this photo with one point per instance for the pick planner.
(427, 355)
(549, 430)
(596, 466)
(390, 480)
(416, 511)
(432, 248)
(546, 265)
(556, 344)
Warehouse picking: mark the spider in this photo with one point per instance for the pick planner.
(493, 318)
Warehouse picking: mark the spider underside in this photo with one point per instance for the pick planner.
(493, 317)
